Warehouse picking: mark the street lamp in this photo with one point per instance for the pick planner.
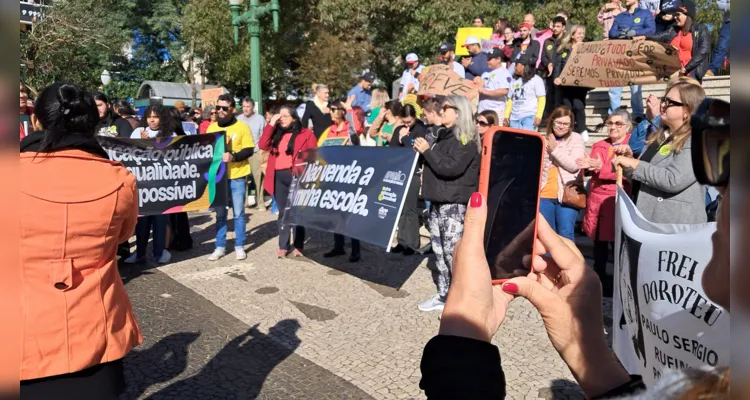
(106, 79)
(251, 18)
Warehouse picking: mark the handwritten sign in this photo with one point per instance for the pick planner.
(488, 45)
(617, 63)
(210, 96)
(463, 33)
(440, 80)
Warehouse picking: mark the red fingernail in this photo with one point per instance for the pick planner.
(510, 287)
(476, 200)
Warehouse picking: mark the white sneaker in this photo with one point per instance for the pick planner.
(132, 259)
(240, 254)
(165, 257)
(251, 201)
(268, 203)
(432, 304)
(217, 254)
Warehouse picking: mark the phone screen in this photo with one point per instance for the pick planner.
(512, 202)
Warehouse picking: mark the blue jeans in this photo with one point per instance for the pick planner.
(142, 231)
(237, 190)
(560, 217)
(722, 47)
(525, 123)
(636, 100)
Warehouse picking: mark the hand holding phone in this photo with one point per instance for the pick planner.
(510, 179)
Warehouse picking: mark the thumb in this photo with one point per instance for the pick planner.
(476, 216)
(532, 291)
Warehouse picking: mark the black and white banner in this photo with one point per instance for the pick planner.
(355, 191)
(663, 320)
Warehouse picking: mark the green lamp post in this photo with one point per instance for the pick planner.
(251, 18)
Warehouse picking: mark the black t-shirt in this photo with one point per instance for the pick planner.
(320, 121)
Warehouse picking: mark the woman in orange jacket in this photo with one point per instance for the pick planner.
(76, 206)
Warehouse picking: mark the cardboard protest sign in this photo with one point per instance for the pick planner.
(616, 63)
(355, 191)
(440, 80)
(488, 45)
(663, 319)
(210, 96)
(176, 174)
(463, 33)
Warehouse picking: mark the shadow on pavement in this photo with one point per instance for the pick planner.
(162, 362)
(376, 266)
(562, 389)
(240, 368)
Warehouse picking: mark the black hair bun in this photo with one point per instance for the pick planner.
(70, 98)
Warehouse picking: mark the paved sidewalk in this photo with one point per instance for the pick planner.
(354, 327)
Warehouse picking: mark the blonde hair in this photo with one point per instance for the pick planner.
(566, 44)
(691, 96)
(318, 86)
(466, 129)
(379, 98)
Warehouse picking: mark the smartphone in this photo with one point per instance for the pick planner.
(510, 180)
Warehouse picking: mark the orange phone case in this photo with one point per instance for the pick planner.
(484, 172)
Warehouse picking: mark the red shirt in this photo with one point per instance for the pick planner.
(684, 45)
(283, 160)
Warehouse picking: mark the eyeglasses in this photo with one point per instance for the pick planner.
(222, 108)
(666, 102)
(450, 107)
(482, 123)
(710, 131)
(562, 124)
(618, 124)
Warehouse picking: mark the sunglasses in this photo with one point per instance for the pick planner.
(710, 131)
(450, 107)
(482, 123)
(618, 124)
(666, 102)
(334, 109)
(212, 113)
(222, 108)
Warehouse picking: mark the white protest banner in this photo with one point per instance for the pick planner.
(488, 45)
(662, 318)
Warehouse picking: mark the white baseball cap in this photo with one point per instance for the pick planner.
(470, 40)
(411, 57)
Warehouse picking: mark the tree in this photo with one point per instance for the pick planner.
(74, 42)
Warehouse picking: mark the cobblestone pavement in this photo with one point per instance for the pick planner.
(320, 328)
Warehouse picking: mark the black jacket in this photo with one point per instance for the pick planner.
(451, 169)
(418, 130)
(549, 52)
(320, 121)
(698, 64)
(460, 368)
(532, 51)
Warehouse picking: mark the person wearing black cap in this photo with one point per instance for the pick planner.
(361, 92)
(494, 84)
(447, 56)
(691, 39)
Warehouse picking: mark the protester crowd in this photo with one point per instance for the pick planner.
(519, 86)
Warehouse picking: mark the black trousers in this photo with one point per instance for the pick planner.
(282, 186)
(553, 97)
(408, 224)
(338, 243)
(100, 382)
(575, 98)
(601, 257)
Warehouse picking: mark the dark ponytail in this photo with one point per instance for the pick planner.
(65, 109)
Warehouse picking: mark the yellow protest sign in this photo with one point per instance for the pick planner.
(463, 33)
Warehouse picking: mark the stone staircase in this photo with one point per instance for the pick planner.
(597, 102)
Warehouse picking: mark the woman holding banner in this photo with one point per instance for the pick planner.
(75, 206)
(451, 175)
(284, 138)
(599, 220)
(461, 361)
(158, 123)
(347, 122)
(665, 188)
